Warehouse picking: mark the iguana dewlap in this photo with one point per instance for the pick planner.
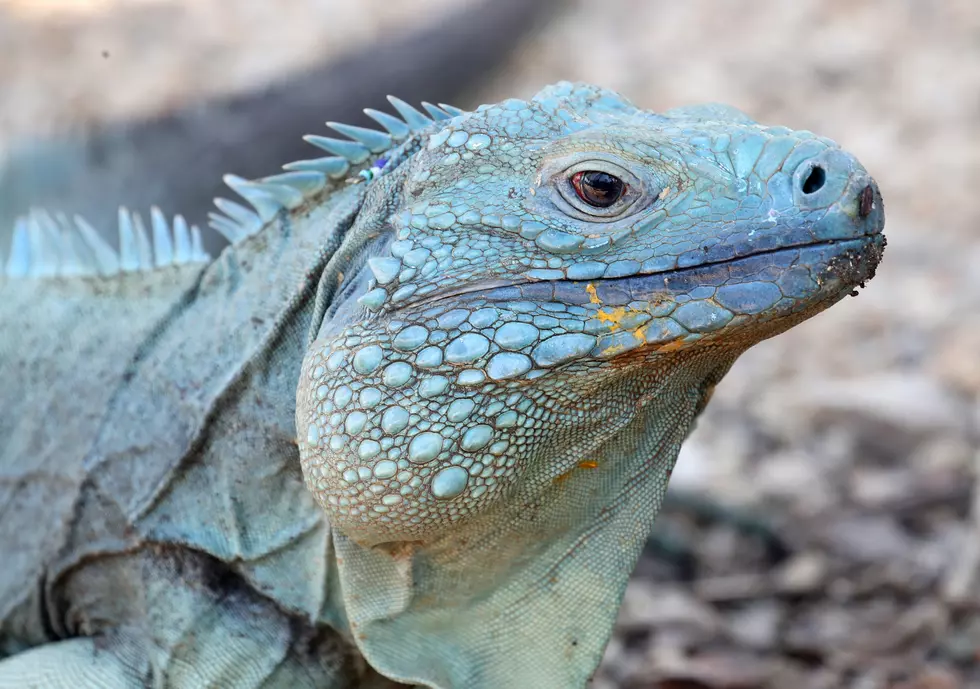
(489, 331)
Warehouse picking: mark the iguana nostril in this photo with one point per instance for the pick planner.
(814, 180)
(866, 201)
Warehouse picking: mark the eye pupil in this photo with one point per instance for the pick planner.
(599, 189)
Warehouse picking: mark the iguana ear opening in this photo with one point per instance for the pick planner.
(526, 594)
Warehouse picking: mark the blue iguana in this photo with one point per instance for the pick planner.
(416, 421)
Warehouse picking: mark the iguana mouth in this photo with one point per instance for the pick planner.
(865, 252)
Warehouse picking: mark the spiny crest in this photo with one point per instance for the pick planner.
(358, 157)
(52, 245)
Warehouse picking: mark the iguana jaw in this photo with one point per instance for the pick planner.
(496, 370)
(862, 254)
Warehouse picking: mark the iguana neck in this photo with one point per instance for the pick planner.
(535, 555)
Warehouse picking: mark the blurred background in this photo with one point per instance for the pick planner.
(824, 522)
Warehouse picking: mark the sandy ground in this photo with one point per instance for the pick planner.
(847, 449)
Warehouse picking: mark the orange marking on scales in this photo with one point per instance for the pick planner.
(671, 346)
(593, 297)
(584, 464)
(613, 350)
(612, 316)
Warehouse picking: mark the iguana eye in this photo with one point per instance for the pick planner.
(598, 189)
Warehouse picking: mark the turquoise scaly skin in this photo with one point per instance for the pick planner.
(491, 363)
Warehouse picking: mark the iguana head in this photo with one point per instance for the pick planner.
(550, 289)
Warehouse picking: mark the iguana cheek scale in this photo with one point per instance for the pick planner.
(497, 375)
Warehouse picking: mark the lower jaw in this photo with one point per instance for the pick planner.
(832, 266)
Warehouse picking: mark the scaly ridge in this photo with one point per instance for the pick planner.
(45, 245)
(49, 246)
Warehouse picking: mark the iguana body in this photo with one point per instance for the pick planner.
(490, 347)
